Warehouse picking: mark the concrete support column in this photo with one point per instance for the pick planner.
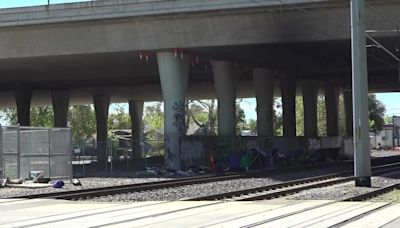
(60, 99)
(348, 109)
(288, 91)
(332, 110)
(174, 72)
(263, 79)
(23, 96)
(136, 113)
(101, 105)
(310, 96)
(362, 149)
(225, 87)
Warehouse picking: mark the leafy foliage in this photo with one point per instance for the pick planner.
(82, 121)
(376, 113)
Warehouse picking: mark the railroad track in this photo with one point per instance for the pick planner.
(280, 189)
(96, 192)
(291, 187)
(112, 190)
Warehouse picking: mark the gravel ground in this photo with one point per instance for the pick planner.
(344, 190)
(170, 193)
(205, 189)
(86, 183)
(393, 196)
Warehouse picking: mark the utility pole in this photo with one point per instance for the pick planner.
(362, 150)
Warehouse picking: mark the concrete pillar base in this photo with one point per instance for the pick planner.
(363, 181)
(60, 99)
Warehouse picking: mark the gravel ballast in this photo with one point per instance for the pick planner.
(344, 190)
(199, 190)
(86, 183)
(335, 192)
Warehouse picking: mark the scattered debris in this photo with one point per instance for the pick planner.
(76, 182)
(15, 181)
(3, 182)
(36, 176)
(58, 184)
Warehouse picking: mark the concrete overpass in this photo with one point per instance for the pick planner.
(141, 50)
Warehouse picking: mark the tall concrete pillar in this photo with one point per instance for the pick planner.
(225, 87)
(136, 113)
(60, 100)
(332, 110)
(263, 79)
(101, 105)
(310, 96)
(348, 109)
(174, 72)
(288, 91)
(23, 96)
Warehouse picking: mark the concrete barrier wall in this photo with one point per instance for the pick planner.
(197, 150)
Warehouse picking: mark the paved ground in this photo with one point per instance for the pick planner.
(273, 213)
(384, 153)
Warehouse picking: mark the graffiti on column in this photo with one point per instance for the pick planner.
(179, 117)
(178, 121)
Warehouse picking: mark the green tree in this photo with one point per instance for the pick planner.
(376, 113)
(154, 119)
(321, 116)
(388, 119)
(277, 116)
(204, 114)
(119, 119)
(299, 116)
(9, 116)
(251, 125)
(240, 118)
(42, 116)
(82, 121)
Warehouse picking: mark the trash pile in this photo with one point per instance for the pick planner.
(36, 179)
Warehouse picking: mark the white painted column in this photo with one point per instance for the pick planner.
(263, 80)
(225, 87)
(174, 72)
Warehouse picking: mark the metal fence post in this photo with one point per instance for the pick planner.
(71, 167)
(109, 147)
(18, 152)
(83, 162)
(3, 167)
(49, 141)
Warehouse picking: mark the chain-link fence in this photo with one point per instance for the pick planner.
(26, 149)
(104, 158)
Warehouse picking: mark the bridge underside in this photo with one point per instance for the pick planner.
(61, 56)
(126, 75)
